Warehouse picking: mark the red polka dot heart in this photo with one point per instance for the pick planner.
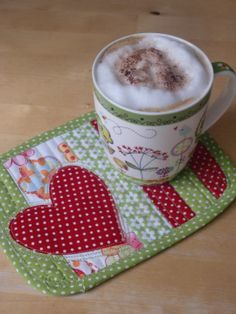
(82, 217)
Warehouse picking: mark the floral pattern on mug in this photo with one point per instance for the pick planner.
(142, 158)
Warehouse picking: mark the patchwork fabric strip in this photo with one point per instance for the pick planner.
(69, 221)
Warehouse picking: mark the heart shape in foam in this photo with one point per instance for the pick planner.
(82, 217)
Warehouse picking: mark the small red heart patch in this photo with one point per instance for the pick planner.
(82, 217)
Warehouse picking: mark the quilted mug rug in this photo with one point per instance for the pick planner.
(69, 221)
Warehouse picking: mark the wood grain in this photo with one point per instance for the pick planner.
(46, 52)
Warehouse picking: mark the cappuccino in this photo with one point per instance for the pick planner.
(151, 72)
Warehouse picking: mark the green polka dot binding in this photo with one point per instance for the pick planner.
(152, 218)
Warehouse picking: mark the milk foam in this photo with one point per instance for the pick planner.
(149, 98)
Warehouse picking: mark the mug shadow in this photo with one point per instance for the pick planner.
(224, 132)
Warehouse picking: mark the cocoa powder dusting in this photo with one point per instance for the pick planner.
(150, 67)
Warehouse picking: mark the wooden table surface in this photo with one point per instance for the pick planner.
(46, 51)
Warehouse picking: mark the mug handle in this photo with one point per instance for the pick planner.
(224, 100)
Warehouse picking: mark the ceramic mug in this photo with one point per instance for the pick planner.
(153, 147)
